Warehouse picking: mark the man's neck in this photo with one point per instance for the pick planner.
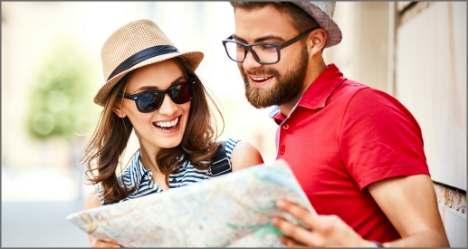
(313, 72)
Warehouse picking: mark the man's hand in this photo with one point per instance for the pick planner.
(418, 227)
(323, 230)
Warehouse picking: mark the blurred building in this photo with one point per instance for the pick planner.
(47, 169)
(30, 30)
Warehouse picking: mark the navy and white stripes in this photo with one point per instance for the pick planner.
(137, 174)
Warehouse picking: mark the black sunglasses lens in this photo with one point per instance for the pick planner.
(181, 94)
(148, 102)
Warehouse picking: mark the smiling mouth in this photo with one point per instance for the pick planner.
(170, 125)
(257, 79)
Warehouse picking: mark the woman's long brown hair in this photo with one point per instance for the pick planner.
(112, 133)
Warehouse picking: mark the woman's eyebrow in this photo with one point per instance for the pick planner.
(177, 80)
(149, 88)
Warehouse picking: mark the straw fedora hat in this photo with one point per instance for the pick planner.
(134, 45)
(322, 12)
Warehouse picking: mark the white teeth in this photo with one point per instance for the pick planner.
(260, 78)
(168, 124)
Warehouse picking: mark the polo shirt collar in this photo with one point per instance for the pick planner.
(315, 97)
(320, 90)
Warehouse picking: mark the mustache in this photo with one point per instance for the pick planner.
(262, 71)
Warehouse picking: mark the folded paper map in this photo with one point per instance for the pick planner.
(232, 210)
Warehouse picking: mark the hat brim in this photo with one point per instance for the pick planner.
(323, 20)
(193, 59)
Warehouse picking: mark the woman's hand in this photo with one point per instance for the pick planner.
(100, 243)
(92, 201)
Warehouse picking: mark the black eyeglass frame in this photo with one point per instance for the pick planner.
(190, 83)
(248, 47)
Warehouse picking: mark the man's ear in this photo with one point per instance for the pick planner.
(316, 41)
(119, 112)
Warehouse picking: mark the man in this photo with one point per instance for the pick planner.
(356, 151)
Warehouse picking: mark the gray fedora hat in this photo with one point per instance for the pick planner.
(322, 12)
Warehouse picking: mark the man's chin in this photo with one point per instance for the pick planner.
(259, 103)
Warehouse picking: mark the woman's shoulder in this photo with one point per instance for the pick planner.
(92, 200)
(243, 154)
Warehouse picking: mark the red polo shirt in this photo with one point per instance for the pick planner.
(341, 137)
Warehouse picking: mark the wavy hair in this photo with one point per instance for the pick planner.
(112, 133)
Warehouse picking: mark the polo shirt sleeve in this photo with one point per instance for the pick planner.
(380, 139)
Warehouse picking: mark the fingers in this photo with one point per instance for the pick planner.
(100, 243)
(299, 212)
(290, 242)
(324, 230)
(296, 235)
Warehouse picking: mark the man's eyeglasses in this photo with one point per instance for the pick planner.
(264, 52)
(150, 101)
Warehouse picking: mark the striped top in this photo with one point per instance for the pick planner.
(137, 174)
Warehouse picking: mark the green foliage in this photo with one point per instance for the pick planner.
(62, 96)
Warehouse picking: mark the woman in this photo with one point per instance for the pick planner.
(151, 87)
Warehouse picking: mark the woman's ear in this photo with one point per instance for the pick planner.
(119, 112)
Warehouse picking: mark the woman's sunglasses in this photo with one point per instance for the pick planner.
(150, 101)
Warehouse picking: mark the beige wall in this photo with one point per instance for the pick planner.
(362, 54)
(416, 51)
(431, 82)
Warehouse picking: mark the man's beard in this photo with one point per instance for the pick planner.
(288, 87)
